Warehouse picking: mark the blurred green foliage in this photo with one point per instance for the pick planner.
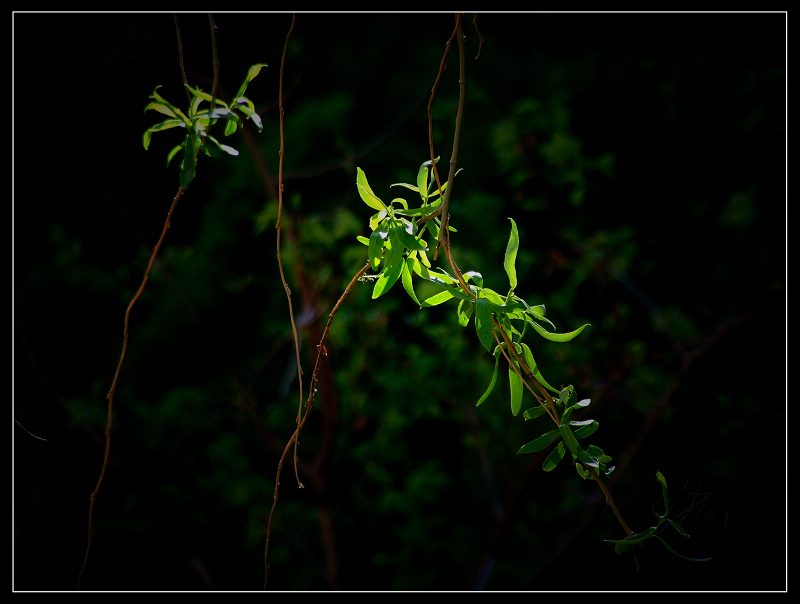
(642, 157)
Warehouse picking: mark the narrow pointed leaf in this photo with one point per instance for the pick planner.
(406, 236)
(165, 125)
(558, 337)
(511, 255)
(516, 388)
(175, 151)
(439, 298)
(528, 358)
(555, 456)
(540, 443)
(252, 72)
(483, 323)
(408, 285)
(392, 269)
(486, 394)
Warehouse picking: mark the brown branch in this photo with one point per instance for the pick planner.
(180, 55)
(278, 243)
(462, 84)
(321, 350)
(430, 123)
(110, 396)
(480, 37)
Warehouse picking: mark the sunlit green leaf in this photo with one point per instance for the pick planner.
(175, 151)
(534, 412)
(252, 72)
(540, 443)
(663, 482)
(439, 298)
(407, 283)
(161, 108)
(463, 317)
(406, 236)
(392, 269)
(376, 242)
(528, 358)
(422, 181)
(165, 125)
(252, 115)
(511, 255)
(558, 337)
(516, 388)
(366, 193)
(221, 147)
(363, 240)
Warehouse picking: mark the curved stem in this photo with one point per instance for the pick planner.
(110, 396)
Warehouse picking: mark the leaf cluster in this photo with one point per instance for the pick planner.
(199, 121)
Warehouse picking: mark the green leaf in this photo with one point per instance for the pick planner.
(165, 125)
(511, 255)
(483, 323)
(376, 243)
(540, 443)
(583, 473)
(406, 185)
(528, 358)
(174, 152)
(422, 181)
(476, 277)
(558, 337)
(161, 108)
(392, 269)
(366, 193)
(423, 211)
(221, 147)
(252, 115)
(405, 234)
(252, 72)
(463, 317)
(407, 283)
(516, 388)
(189, 159)
(586, 429)
(534, 412)
(376, 219)
(663, 482)
(205, 96)
(569, 438)
(486, 394)
(439, 298)
(555, 456)
(363, 240)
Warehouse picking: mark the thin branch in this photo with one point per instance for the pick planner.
(321, 350)
(278, 245)
(480, 37)
(430, 125)
(110, 396)
(180, 55)
(462, 84)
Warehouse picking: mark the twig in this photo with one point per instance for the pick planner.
(278, 245)
(480, 37)
(110, 396)
(321, 350)
(180, 55)
(462, 84)
(430, 126)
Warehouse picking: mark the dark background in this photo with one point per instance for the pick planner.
(643, 159)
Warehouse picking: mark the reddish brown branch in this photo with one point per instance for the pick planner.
(321, 350)
(110, 396)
